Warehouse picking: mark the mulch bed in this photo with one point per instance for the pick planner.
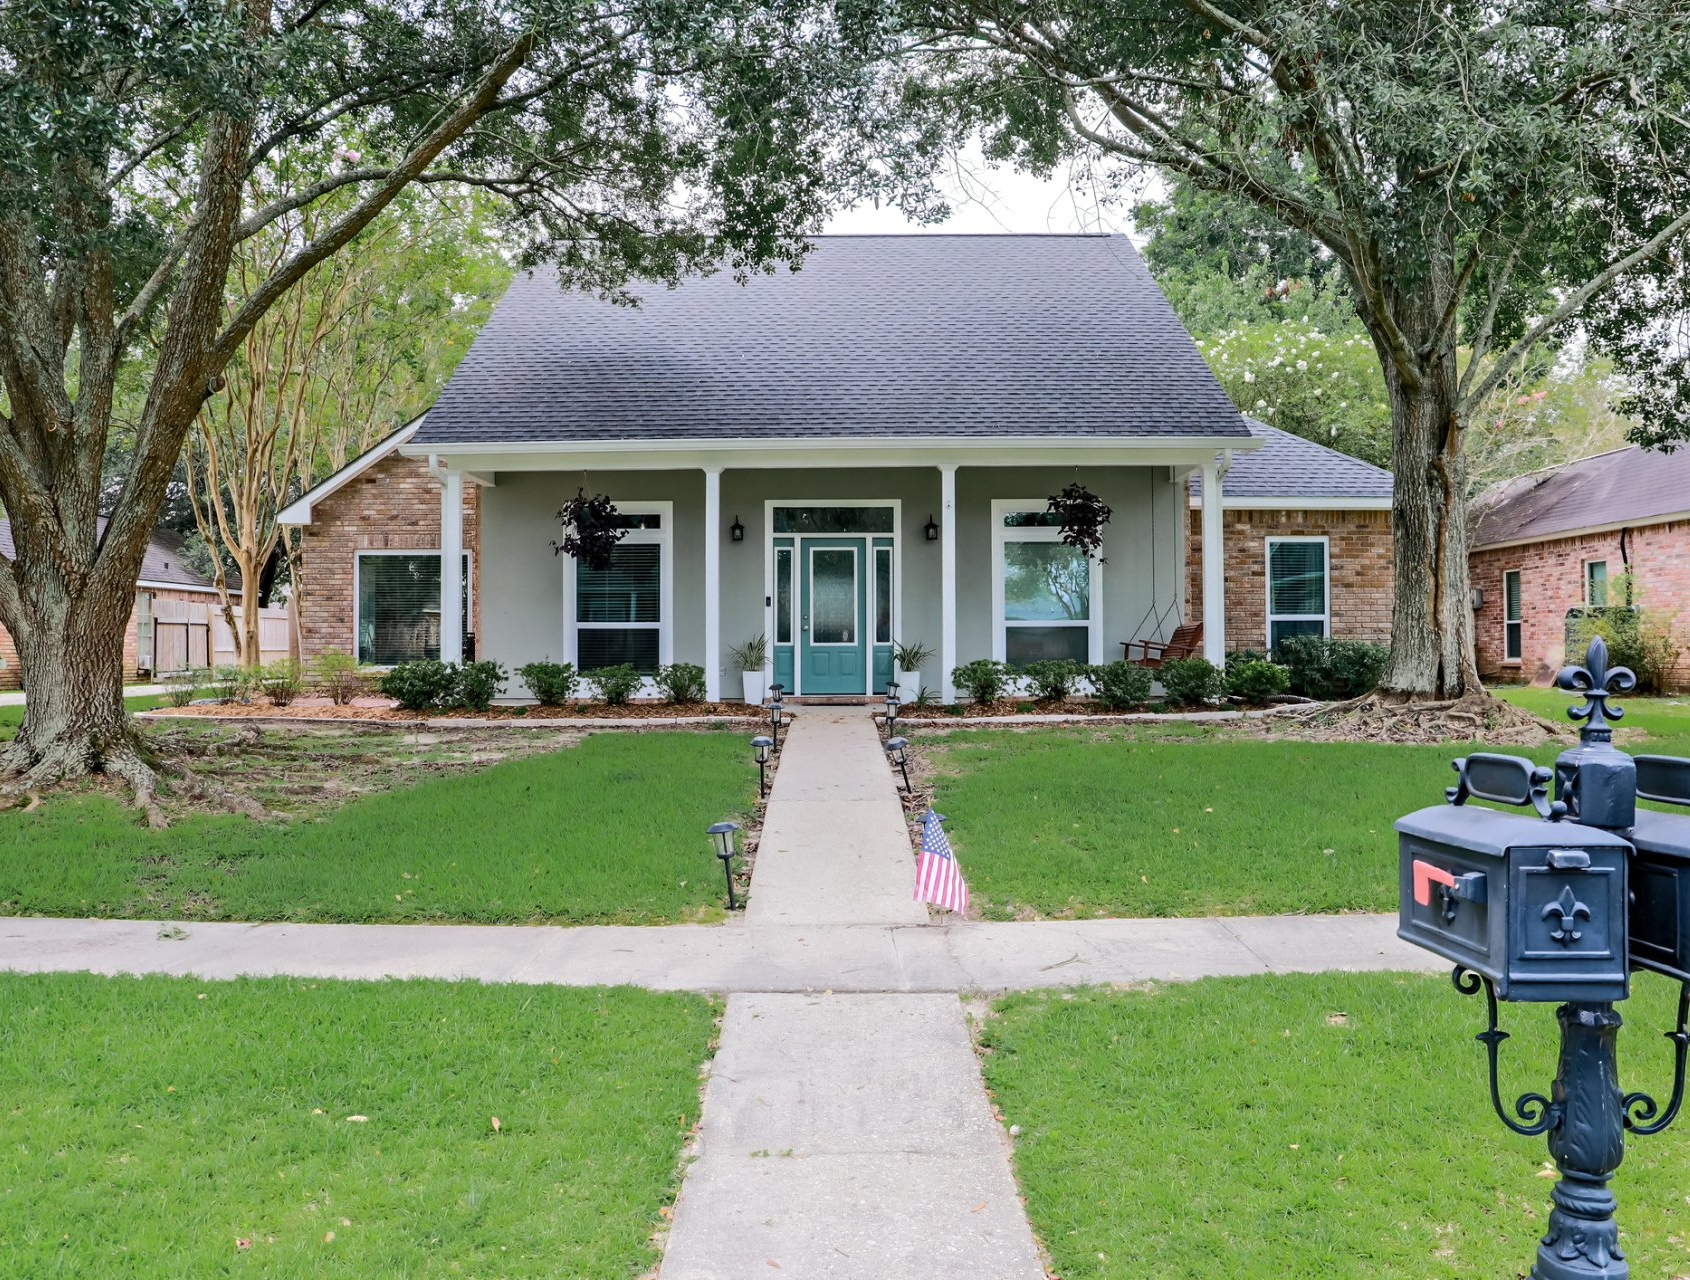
(1024, 707)
(368, 709)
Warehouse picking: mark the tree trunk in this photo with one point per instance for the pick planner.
(251, 651)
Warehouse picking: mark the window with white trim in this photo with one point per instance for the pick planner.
(1298, 602)
(1596, 584)
(1046, 594)
(620, 612)
(397, 606)
(1512, 616)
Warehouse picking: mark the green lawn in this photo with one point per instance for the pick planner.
(1335, 1125)
(1174, 820)
(148, 1124)
(611, 830)
(1660, 725)
(12, 716)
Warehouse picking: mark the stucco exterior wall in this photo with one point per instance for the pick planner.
(1359, 559)
(1552, 582)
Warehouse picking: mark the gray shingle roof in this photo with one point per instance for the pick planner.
(1608, 488)
(162, 562)
(1289, 466)
(912, 335)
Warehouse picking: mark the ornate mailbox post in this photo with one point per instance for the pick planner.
(1563, 906)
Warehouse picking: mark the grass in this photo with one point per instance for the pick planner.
(1659, 725)
(1174, 820)
(149, 1124)
(11, 717)
(608, 831)
(1335, 1125)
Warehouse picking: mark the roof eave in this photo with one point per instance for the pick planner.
(1292, 502)
(1582, 531)
(298, 512)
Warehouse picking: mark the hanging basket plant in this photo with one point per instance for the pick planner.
(591, 528)
(1081, 515)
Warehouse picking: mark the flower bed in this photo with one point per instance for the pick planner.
(384, 709)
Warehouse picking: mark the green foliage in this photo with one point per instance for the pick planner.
(227, 1084)
(231, 682)
(680, 682)
(615, 685)
(753, 655)
(983, 680)
(1053, 679)
(419, 686)
(551, 683)
(1324, 668)
(476, 684)
(180, 686)
(1191, 682)
(1638, 636)
(1121, 686)
(282, 680)
(336, 676)
(1256, 680)
(910, 657)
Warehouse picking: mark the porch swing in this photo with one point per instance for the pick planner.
(1186, 638)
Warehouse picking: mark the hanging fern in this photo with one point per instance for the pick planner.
(591, 528)
(1082, 515)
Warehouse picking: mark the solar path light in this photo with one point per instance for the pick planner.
(892, 703)
(723, 834)
(762, 744)
(776, 710)
(897, 748)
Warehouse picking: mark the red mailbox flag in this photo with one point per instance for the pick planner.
(1424, 874)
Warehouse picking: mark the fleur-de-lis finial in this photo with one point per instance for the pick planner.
(1596, 681)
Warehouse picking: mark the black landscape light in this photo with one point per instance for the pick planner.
(892, 704)
(762, 744)
(897, 749)
(776, 710)
(723, 834)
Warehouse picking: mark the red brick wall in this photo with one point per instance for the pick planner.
(1358, 566)
(1552, 581)
(395, 505)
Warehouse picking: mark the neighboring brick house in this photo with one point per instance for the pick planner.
(369, 564)
(151, 636)
(1546, 544)
(1318, 522)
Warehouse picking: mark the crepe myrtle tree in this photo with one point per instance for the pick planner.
(1488, 174)
(624, 137)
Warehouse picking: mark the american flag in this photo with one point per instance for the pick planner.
(938, 877)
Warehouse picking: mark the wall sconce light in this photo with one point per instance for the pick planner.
(932, 530)
(723, 834)
(736, 530)
(1478, 598)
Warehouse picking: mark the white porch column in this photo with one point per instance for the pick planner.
(1214, 567)
(452, 566)
(947, 579)
(713, 583)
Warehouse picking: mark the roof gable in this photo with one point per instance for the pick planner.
(876, 336)
(161, 565)
(1608, 489)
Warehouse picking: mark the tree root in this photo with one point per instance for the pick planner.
(1477, 715)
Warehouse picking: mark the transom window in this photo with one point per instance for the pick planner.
(833, 519)
(621, 613)
(1047, 595)
(1297, 588)
(1512, 616)
(398, 606)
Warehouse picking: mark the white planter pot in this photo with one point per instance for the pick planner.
(756, 686)
(909, 684)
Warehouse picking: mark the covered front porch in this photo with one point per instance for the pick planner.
(832, 555)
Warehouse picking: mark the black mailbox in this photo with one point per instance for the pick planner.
(1660, 870)
(1537, 906)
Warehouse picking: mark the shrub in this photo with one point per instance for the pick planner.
(983, 680)
(753, 655)
(1256, 679)
(1120, 686)
(551, 683)
(1640, 638)
(1327, 669)
(282, 680)
(477, 684)
(910, 657)
(1191, 682)
(231, 682)
(681, 682)
(419, 686)
(1053, 679)
(1235, 657)
(336, 676)
(180, 686)
(615, 684)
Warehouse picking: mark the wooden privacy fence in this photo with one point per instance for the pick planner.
(188, 633)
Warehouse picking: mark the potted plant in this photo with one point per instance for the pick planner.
(907, 661)
(752, 658)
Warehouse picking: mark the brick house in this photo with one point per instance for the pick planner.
(1307, 544)
(1544, 545)
(170, 618)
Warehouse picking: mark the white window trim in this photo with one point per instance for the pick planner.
(358, 591)
(662, 537)
(1520, 622)
(1001, 535)
(1584, 572)
(1324, 617)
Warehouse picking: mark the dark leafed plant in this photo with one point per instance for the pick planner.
(591, 529)
(1083, 515)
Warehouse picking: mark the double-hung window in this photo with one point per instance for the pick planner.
(620, 614)
(1512, 616)
(1596, 584)
(398, 606)
(1298, 601)
(1047, 596)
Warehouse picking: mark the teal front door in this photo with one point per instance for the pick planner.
(832, 641)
